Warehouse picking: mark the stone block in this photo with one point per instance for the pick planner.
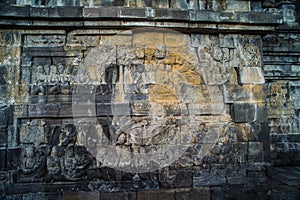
(204, 16)
(107, 12)
(119, 39)
(258, 17)
(147, 38)
(240, 149)
(262, 113)
(171, 14)
(237, 180)
(118, 195)
(106, 98)
(113, 109)
(255, 93)
(65, 12)
(260, 131)
(65, 110)
(13, 160)
(183, 179)
(15, 11)
(44, 110)
(35, 196)
(81, 195)
(255, 151)
(255, 6)
(217, 193)
(156, 194)
(3, 136)
(55, 99)
(208, 179)
(244, 112)
(202, 193)
(2, 159)
(133, 13)
(84, 110)
(37, 60)
(136, 97)
(234, 92)
(251, 75)
(245, 132)
(3, 74)
(103, 109)
(39, 12)
(233, 5)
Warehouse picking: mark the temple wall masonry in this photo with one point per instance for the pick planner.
(139, 99)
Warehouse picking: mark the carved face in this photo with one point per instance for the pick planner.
(53, 69)
(29, 152)
(121, 139)
(139, 52)
(40, 69)
(60, 68)
(160, 51)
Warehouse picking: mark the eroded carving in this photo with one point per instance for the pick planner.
(252, 55)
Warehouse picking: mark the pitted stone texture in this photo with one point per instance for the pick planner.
(244, 112)
(81, 195)
(252, 75)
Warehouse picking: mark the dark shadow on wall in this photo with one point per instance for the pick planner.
(298, 11)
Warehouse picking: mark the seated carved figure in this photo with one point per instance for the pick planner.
(54, 165)
(40, 81)
(53, 80)
(33, 165)
(75, 164)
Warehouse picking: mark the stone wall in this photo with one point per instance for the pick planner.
(146, 99)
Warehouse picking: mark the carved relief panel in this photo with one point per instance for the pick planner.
(133, 100)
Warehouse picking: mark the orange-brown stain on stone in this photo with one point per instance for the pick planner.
(160, 94)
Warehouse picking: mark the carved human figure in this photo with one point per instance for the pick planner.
(68, 135)
(54, 164)
(75, 163)
(40, 81)
(83, 160)
(66, 86)
(33, 164)
(138, 76)
(53, 80)
(136, 133)
(29, 160)
(69, 165)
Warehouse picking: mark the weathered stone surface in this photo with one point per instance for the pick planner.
(252, 75)
(208, 179)
(81, 195)
(82, 90)
(255, 151)
(3, 159)
(245, 112)
(163, 194)
(193, 194)
(118, 195)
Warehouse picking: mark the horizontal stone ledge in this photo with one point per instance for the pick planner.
(291, 137)
(115, 13)
(185, 26)
(283, 50)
